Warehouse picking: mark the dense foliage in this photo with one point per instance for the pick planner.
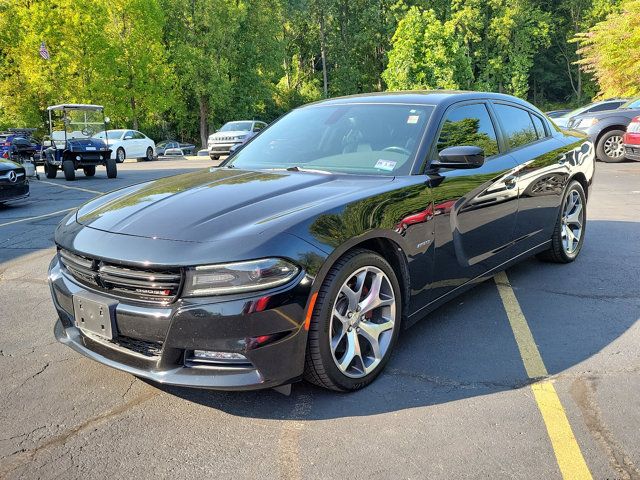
(182, 67)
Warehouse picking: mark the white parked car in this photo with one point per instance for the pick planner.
(128, 144)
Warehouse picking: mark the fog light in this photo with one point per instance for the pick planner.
(78, 157)
(219, 357)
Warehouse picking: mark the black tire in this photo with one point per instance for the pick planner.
(601, 149)
(69, 169)
(120, 155)
(557, 252)
(112, 168)
(214, 157)
(149, 156)
(50, 171)
(89, 171)
(320, 367)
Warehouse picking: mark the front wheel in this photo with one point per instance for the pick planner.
(355, 322)
(112, 168)
(51, 171)
(215, 157)
(610, 147)
(120, 155)
(568, 234)
(69, 169)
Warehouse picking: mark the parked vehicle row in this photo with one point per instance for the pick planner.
(604, 105)
(606, 129)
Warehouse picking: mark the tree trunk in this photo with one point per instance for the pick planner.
(134, 115)
(323, 52)
(204, 127)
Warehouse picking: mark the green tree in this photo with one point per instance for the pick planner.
(610, 51)
(427, 54)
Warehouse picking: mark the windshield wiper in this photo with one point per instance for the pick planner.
(296, 168)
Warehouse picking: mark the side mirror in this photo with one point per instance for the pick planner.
(107, 120)
(464, 156)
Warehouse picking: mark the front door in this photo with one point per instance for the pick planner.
(474, 210)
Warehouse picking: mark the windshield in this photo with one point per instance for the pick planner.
(371, 139)
(236, 127)
(635, 103)
(78, 123)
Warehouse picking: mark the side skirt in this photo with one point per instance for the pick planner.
(431, 306)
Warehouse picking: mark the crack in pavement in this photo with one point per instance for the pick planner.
(23, 456)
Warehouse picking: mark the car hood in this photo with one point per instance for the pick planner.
(6, 165)
(618, 112)
(230, 133)
(220, 203)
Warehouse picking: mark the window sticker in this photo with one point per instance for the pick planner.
(387, 165)
(411, 119)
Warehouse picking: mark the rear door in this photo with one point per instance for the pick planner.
(543, 170)
(474, 210)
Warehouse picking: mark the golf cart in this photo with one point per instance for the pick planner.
(71, 146)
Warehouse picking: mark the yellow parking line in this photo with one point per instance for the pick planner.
(71, 188)
(565, 447)
(28, 219)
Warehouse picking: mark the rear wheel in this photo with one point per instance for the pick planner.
(69, 169)
(568, 235)
(120, 155)
(89, 171)
(355, 322)
(112, 168)
(215, 157)
(51, 171)
(149, 155)
(610, 147)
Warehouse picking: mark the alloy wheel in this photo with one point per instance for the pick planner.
(362, 322)
(613, 146)
(572, 222)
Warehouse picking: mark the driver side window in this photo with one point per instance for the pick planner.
(469, 125)
(128, 135)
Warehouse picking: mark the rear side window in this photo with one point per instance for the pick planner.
(469, 125)
(539, 125)
(517, 125)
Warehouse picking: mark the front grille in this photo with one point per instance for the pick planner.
(149, 285)
(145, 348)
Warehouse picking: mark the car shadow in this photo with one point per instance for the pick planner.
(466, 348)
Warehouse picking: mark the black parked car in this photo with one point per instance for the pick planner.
(606, 129)
(14, 184)
(304, 254)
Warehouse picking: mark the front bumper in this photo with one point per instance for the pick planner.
(14, 191)
(632, 152)
(154, 342)
(221, 148)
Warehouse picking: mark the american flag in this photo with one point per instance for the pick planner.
(44, 53)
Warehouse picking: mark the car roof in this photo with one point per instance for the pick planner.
(71, 106)
(420, 97)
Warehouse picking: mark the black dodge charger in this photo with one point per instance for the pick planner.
(14, 184)
(304, 254)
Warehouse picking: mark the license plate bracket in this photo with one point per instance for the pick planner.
(95, 314)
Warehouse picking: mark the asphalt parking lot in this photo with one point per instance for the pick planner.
(457, 399)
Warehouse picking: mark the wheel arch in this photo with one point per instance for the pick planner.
(608, 128)
(582, 179)
(384, 245)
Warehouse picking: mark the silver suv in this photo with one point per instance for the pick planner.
(230, 135)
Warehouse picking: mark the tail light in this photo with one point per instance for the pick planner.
(5, 155)
(634, 126)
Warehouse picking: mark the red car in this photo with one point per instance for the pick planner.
(631, 140)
